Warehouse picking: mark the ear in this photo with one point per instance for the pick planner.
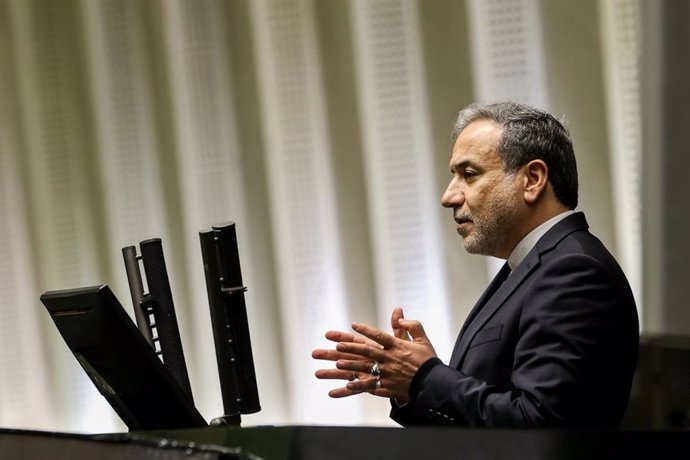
(536, 176)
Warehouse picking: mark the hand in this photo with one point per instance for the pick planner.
(348, 375)
(399, 358)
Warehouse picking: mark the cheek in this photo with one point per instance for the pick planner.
(478, 199)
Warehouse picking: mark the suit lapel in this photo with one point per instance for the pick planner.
(496, 283)
(492, 304)
(503, 285)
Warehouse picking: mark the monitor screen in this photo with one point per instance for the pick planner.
(119, 361)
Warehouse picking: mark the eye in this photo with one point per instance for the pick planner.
(469, 174)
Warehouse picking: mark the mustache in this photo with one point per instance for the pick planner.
(461, 216)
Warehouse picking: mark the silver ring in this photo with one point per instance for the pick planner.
(354, 375)
(375, 369)
(377, 385)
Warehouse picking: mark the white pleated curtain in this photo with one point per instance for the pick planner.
(127, 120)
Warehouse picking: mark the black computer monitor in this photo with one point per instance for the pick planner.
(119, 361)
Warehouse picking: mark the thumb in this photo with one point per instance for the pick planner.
(415, 329)
(398, 331)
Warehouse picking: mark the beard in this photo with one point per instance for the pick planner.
(492, 225)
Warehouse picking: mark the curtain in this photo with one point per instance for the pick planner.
(321, 128)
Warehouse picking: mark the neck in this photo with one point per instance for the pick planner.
(544, 213)
(535, 216)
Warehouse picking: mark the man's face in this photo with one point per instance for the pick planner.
(486, 201)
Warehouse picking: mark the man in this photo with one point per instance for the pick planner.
(553, 340)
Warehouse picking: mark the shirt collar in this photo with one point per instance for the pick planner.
(530, 240)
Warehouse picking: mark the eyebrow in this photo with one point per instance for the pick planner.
(464, 164)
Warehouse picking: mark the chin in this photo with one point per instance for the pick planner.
(471, 248)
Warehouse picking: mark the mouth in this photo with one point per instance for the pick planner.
(462, 222)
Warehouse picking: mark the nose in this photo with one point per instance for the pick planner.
(453, 197)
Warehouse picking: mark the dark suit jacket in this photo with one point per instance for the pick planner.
(554, 344)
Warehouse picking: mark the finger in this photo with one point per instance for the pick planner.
(339, 336)
(375, 334)
(415, 329)
(359, 367)
(362, 385)
(343, 393)
(363, 352)
(333, 355)
(382, 392)
(368, 385)
(335, 374)
(398, 331)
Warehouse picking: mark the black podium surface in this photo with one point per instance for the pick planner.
(348, 443)
(30, 445)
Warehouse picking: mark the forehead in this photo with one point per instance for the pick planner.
(478, 144)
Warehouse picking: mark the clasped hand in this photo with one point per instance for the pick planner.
(399, 356)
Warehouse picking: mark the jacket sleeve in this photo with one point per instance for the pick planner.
(566, 339)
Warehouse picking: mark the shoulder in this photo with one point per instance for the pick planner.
(571, 239)
(580, 250)
(580, 278)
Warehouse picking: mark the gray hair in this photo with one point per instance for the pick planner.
(529, 134)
